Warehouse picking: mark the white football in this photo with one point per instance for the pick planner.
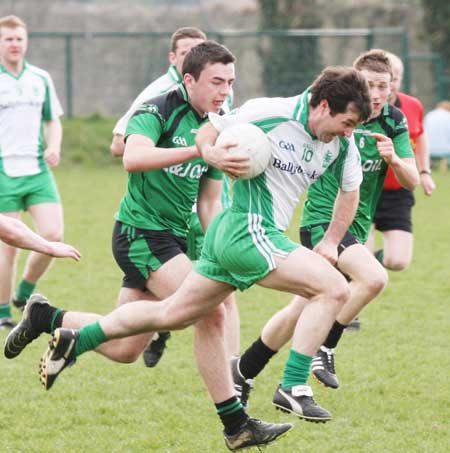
(252, 142)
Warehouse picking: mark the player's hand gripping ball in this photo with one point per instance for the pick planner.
(252, 142)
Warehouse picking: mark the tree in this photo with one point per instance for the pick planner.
(437, 24)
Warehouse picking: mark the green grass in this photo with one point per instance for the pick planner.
(394, 372)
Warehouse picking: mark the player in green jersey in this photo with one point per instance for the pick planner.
(166, 176)
(181, 43)
(245, 244)
(30, 144)
(382, 140)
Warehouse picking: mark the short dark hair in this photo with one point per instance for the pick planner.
(341, 86)
(185, 32)
(376, 60)
(202, 54)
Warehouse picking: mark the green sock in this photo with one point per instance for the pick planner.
(55, 314)
(25, 290)
(296, 371)
(5, 311)
(90, 337)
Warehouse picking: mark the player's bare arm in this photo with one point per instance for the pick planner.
(17, 234)
(404, 168)
(117, 145)
(53, 138)
(344, 211)
(219, 157)
(423, 165)
(209, 200)
(141, 154)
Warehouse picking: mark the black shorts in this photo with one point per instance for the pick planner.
(394, 210)
(311, 235)
(139, 252)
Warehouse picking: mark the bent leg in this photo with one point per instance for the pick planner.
(368, 279)
(398, 249)
(196, 296)
(8, 260)
(307, 274)
(211, 354)
(232, 326)
(126, 350)
(48, 218)
(280, 328)
(162, 283)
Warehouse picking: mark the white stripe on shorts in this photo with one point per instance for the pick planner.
(259, 240)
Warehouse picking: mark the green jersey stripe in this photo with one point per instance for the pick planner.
(269, 124)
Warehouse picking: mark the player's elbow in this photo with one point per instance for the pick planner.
(129, 163)
(116, 151)
(117, 146)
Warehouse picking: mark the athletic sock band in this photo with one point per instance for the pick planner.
(334, 335)
(297, 369)
(254, 359)
(232, 415)
(91, 336)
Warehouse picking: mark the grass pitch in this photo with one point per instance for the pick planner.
(394, 372)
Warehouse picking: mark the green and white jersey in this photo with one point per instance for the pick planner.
(162, 199)
(167, 82)
(321, 196)
(26, 102)
(298, 158)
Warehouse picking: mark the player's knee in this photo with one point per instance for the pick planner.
(230, 301)
(53, 235)
(213, 322)
(396, 263)
(338, 290)
(128, 356)
(377, 283)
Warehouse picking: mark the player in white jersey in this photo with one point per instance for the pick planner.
(181, 42)
(245, 244)
(29, 116)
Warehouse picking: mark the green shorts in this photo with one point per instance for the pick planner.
(195, 238)
(240, 249)
(17, 194)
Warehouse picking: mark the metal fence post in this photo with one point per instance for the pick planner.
(69, 73)
(406, 65)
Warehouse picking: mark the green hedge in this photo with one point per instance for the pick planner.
(87, 140)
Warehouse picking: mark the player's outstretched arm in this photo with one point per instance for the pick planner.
(16, 233)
